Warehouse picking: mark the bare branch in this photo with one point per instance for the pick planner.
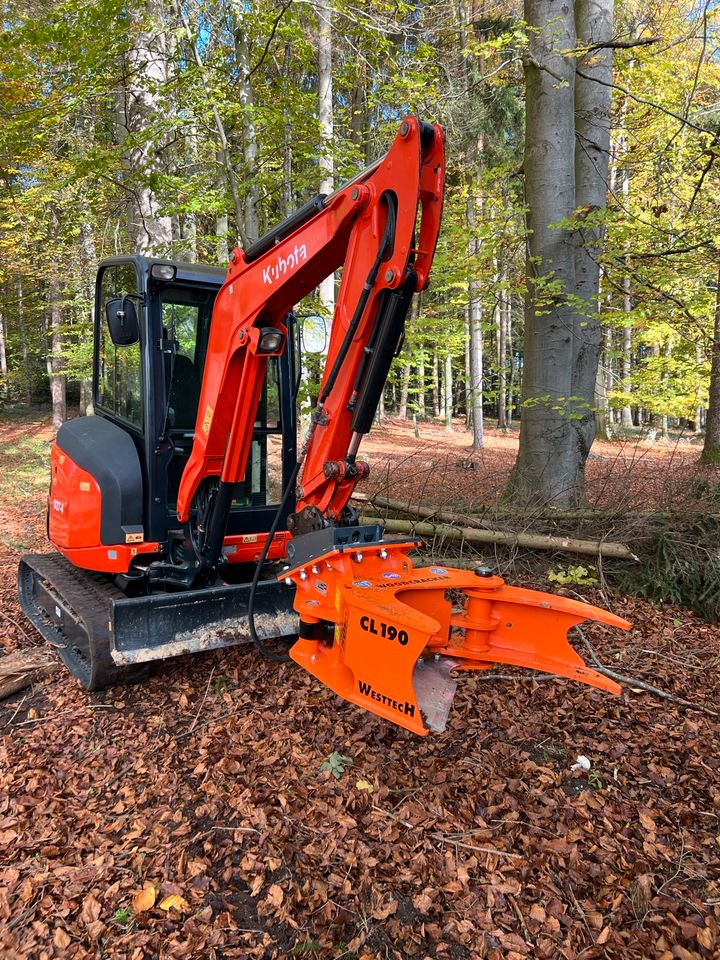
(620, 44)
(647, 103)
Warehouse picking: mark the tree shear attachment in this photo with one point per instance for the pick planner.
(391, 638)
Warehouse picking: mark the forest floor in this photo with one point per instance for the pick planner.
(189, 817)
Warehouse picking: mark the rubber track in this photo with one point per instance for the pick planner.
(87, 596)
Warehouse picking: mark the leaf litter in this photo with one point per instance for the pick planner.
(124, 836)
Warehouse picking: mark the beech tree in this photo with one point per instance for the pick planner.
(567, 136)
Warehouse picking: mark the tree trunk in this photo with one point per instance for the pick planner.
(593, 103)
(502, 319)
(549, 456)
(626, 366)
(404, 391)
(325, 117)
(221, 229)
(436, 396)
(626, 414)
(468, 375)
(448, 392)
(475, 392)
(711, 447)
(602, 385)
(697, 423)
(513, 366)
(27, 383)
(288, 193)
(89, 260)
(150, 231)
(55, 361)
(420, 393)
(4, 387)
(251, 219)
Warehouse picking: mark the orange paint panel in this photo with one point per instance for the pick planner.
(246, 548)
(74, 512)
(113, 559)
(74, 504)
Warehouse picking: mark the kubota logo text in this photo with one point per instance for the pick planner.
(283, 265)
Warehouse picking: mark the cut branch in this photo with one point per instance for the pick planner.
(620, 44)
(529, 541)
(639, 684)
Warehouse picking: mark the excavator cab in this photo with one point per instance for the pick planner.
(152, 322)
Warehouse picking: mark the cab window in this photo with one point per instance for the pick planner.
(263, 478)
(119, 384)
(186, 314)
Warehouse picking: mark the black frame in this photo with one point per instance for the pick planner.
(153, 446)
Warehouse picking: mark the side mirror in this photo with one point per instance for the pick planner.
(314, 334)
(122, 321)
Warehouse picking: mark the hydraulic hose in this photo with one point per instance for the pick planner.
(259, 645)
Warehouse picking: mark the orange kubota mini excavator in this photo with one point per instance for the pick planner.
(173, 507)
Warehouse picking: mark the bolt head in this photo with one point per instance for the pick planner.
(436, 657)
(484, 572)
(404, 128)
(358, 558)
(389, 276)
(355, 194)
(383, 554)
(303, 575)
(315, 569)
(288, 581)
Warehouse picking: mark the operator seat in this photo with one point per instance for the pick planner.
(184, 391)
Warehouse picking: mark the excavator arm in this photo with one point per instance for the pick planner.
(370, 228)
(379, 632)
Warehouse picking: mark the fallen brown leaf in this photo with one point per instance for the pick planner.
(144, 899)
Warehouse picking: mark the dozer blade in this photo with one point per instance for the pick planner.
(390, 638)
(103, 637)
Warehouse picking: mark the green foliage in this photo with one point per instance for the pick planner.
(220, 685)
(305, 947)
(595, 780)
(572, 574)
(679, 564)
(337, 764)
(123, 917)
(69, 171)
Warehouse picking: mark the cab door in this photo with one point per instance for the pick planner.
(185, 317)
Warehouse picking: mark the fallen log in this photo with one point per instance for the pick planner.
(529, 541)
(22, 667)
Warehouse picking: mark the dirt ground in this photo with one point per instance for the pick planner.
(189, 816)
(441, 468)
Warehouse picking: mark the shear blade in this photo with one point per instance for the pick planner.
(435, 690)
